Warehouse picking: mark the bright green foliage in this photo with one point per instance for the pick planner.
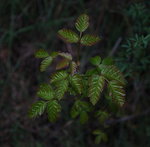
(61, 88)
(100, 136)
(82, 23)
(41, 53)
(89, 40)
(45, 92)
(58, 76)
(66, 55)
(45, 63)
(37, 109)
(95, 60)
(117, 92)
(76, 82)
(96, 85)
(86, 87)
(53, 110)
(112, 73)
(68, 36)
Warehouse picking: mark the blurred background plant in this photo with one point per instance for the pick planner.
(29, 25)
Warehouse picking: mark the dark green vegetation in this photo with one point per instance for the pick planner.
(29, 25)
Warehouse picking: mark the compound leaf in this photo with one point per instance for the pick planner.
(46, 92)
(68, 35)
(37, 109)
(41, 53)
(61, 75)
(89, 40)
(96, 84)
(45, 63)
(116, 92)
(53, 110)
(82, 23)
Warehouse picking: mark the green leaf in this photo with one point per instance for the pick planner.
(41, 53)
(100, 136)
(76, 82)
(89, 40)
(62, 87)
(96, 84)
(95, 60)
(111, 72)
(74, 112)
(46, 92)
(108, 61)
(82, 23)
(79, 107)
(97, 139)
(66, 55)
(82, 106)
(61, 75)
(116, 92)
(102, 116)
(68, 36)
(83, 117)
(54, 54)
(37, 109)
(53, 110)
(62, 64)
(45, 63)
(91, 72)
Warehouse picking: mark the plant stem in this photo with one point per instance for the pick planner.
(78, 49)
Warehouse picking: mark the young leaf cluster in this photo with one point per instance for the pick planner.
(86, 88)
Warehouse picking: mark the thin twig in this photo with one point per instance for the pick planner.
(126, 118)
(114, 49)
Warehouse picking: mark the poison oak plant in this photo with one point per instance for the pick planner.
(86, 88)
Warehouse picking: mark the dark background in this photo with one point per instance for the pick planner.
(27, 25)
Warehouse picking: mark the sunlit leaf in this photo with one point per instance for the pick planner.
(37, 109)
(96, 84)
(82, 23)
(53, 110)
(89, 40)
(116, 92)
(68, 36)
(45, 63)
